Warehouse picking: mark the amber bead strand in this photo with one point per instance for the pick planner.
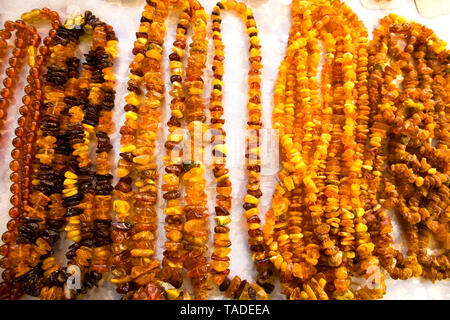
(342, 156)
(89, 102)
(283, 120)
(27, 39)
(77, 190)
(185, 243)
(369, 128)
(286, 199)
(219, 259)
(379, 223)
(97, 84)
(286, 202)
(399, 175)
(264, 284)
(314, 139)
(437, 267)
(431, 60)
(81, 183)
(414, 227)
(384, 108)
(332, 141)
(304, 222)
(327, 231)
(421, 205)
(96, 217)
(144, 216)
(314, 145)
(172, 264)
(25, 135)
(21, 254)
(15, 62)
(133, 234)
(195, 229)
(53, 154)
(105, 39)
(352, 230)
(326, 146)
(368, 262)
(300, 237)
(236, 288)
(350, 202)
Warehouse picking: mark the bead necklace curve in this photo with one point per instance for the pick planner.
(160, 283)
(85, 200)
(237, 288)
(195, 232)
(45, 214)
(133, 232)
(17, 254)
(415, 183)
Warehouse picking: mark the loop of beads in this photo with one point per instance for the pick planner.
(237, 288)
(409, 135)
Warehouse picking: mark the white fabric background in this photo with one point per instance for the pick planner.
(273, 20)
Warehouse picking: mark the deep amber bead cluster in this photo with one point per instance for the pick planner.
(409, 137)
(84, 202)
(371, 143)
(63, 184)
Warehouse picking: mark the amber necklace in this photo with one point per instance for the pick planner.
(406, 121)
(237, 288)
(310, 231)
(136, 273)
(133, 234)
(18, 253)
(44, 216)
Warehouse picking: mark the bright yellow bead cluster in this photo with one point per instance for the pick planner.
(317, 207)
(133, 234)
